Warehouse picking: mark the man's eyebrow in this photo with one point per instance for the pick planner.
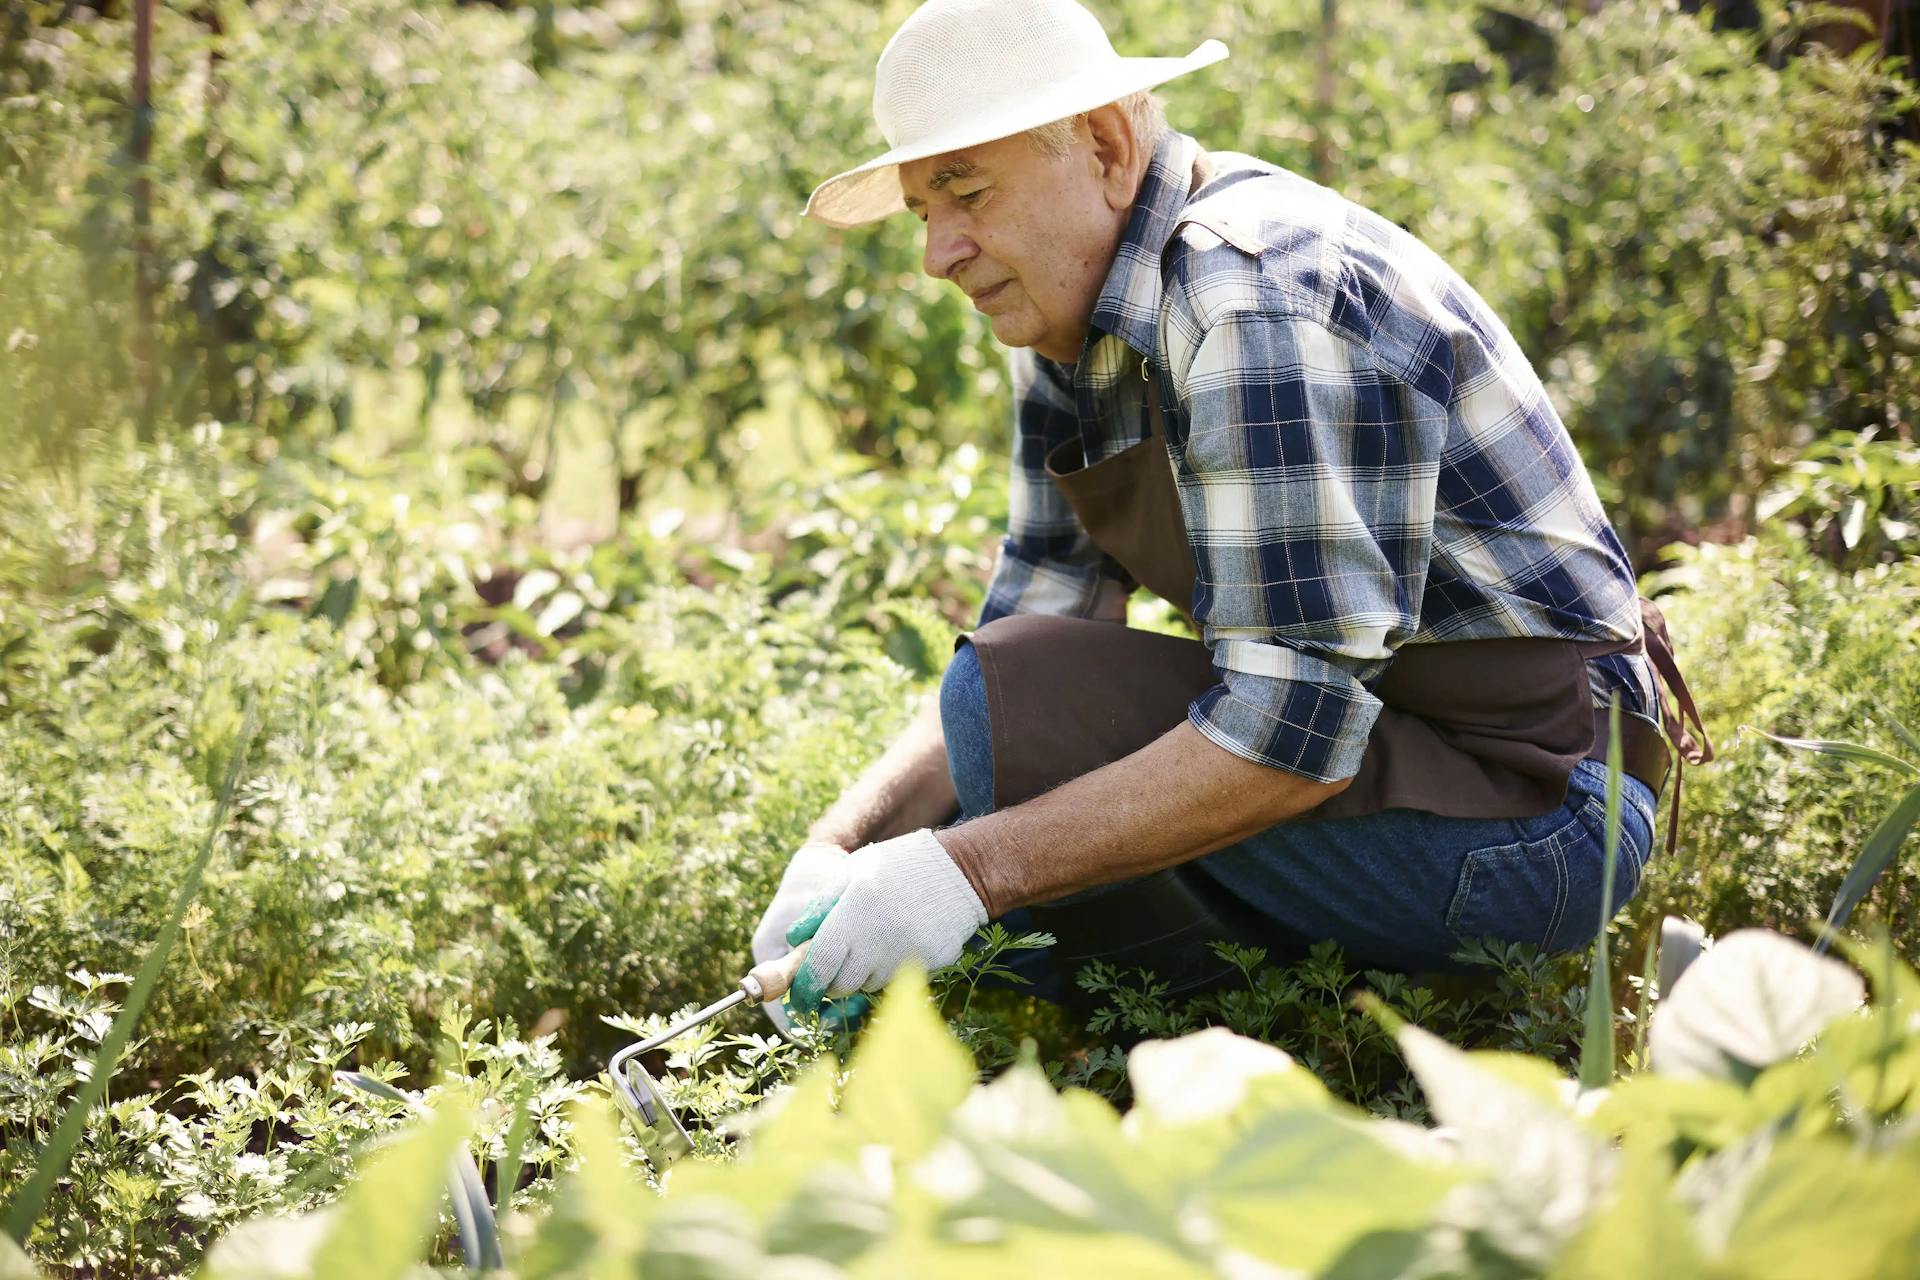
(950, 170)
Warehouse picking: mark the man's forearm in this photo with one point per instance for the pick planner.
(907, 788)
(1178, 797)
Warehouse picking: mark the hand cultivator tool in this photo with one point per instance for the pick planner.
(634, 1091)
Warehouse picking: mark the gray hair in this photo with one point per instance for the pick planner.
(1055, 139)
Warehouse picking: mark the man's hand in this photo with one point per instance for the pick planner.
(900, 899)
(818, 869)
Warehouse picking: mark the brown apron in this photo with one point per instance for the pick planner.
(1471, 729)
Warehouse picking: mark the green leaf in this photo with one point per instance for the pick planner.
(991, 1249)
(1162, 1073)
(1596, 1042)
(1700, 1109)
(1751, 1001)
(1842, 750)
(473, 1216)
(1877, 855)
(506, 1172)
(1640, 1230)
(14, 1262)
(1304, 1184)
(386, 1220)
(1823, 1207)
(908, 1073)
(1541, 1172)
(600, 1213)
(789, 1136)
(274, 1248)
(1059, 1162)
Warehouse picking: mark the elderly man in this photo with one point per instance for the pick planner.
(1290, 419)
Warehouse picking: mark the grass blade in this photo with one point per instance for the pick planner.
(1881, 848)
(378, 1088)
(1649, 980)
(1843, 750)
(28, 1203)
(1900, 731)
(1596, 1042)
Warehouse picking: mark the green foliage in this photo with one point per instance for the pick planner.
(1774, 1160)
(549, 788)
(1706, 247)
(1774, 638)
(1857, 498)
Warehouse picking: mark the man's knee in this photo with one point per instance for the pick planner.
(968, 731)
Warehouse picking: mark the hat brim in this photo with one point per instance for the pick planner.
(872, 191)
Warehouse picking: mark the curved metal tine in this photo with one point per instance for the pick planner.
(640, 1100)
(637, 1098)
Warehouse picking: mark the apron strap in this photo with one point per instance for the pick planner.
(1687, 748)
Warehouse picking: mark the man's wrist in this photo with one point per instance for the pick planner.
(969, 853)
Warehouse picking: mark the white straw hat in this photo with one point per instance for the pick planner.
(962, 72)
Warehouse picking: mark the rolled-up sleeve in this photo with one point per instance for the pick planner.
(1307, 478)
(1047, 562)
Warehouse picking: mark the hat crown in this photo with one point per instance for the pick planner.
(957, 58)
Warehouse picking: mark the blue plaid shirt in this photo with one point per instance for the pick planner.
(1364, 458)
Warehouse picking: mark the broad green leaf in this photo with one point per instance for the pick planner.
(600, 1213)
(836, 1214)
(1820, 1206)
(791, 1135)
(1178, 1129)
(1537, 1076)
(384, 1223)
(473, 1216)
(1163, 1073)
(1540, 1173)
(981, 1248)
(1303, 1185)
(14, 1262)
(276, 1248)
(1753, 1000)
(1701, 1109)
(1843, 751)
(1882, 846)
(1059, 1162)
(907, 1074)
(1640, 1230)
(700, 1239)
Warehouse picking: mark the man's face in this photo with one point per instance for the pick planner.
(1028, 238)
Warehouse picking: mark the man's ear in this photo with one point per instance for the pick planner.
(1117, 162)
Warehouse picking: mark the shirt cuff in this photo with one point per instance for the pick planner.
(1291, 711)
(1023, 585)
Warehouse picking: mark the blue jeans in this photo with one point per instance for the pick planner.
(1400, 889)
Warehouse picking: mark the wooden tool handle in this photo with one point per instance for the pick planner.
(767, 982)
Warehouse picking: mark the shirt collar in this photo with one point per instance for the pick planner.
(1129, 302)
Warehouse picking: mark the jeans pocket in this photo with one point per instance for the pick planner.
(1544, 890)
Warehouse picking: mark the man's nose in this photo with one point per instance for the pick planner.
(948, 246)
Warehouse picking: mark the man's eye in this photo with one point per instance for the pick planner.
(971, 198)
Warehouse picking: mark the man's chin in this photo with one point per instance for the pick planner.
(1013, 331)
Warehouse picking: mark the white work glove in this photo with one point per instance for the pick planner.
(816, 870)
(902, 899)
